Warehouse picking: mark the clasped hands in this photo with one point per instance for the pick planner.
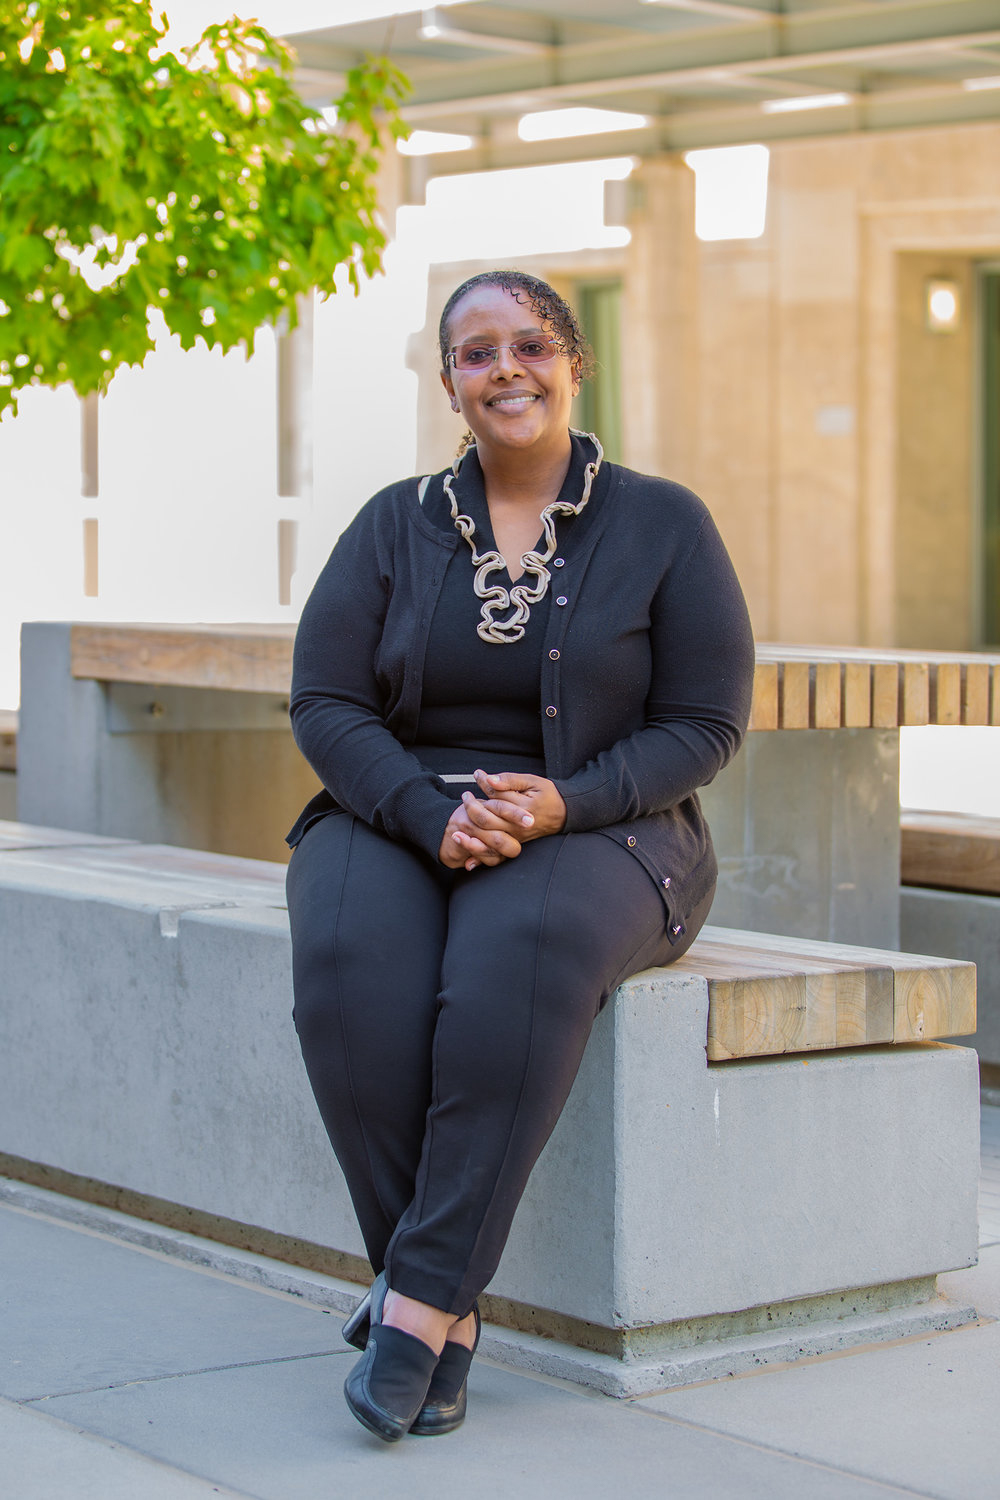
(519, 806)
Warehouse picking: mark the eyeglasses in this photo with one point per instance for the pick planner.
(533, 350)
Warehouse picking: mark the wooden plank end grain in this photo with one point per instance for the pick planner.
(934, 1001)
(879, 1001)
(827, 698)
(885, 694)
(976, 693)
(794, 695)
(758, 1016)
(851, 1018)
(764, 710)
(823, 1006)
(857, 695)
(915, 705)
(946, 693)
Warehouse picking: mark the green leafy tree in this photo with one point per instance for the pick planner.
(199, 186)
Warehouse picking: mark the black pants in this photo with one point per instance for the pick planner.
(442, 1017)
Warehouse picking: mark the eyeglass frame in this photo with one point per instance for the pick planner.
(451, 359)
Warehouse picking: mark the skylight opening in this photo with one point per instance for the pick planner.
(562, 124)
(804, 101)
(434, 142)
(730, 192)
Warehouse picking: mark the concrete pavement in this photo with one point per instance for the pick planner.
(129, 1372)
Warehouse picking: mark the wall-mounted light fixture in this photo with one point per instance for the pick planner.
(942, 304)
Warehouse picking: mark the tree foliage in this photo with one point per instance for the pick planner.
(199, 185)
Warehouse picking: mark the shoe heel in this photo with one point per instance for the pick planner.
(355, 1330)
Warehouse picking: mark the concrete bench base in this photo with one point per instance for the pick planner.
(686, 1219)
(666, 1359)
(958, 924)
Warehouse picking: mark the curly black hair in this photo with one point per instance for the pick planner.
(545, 303)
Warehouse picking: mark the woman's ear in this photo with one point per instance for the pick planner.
(577, 375)
(446, 382)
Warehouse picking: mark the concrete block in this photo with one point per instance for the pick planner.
(956, 924)
(823, 863)
(147, 1042)
(84, 764)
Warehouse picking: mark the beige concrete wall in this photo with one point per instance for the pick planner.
(935, 587)
(776, 376)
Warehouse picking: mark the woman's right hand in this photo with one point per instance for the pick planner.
(486, 841)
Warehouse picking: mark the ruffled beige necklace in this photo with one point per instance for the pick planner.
(519, 598)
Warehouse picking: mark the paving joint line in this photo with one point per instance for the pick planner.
(120, 1385)
(772, 1448)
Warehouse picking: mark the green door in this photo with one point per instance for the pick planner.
(991, 457)
(599, 406)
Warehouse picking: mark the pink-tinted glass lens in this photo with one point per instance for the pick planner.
(532, 350)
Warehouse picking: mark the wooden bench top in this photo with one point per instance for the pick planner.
(769, 994)
(795, 687)
(950, 851)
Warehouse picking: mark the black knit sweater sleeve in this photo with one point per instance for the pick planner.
(338, 703)
(698, 703)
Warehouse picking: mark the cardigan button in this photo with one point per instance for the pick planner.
(551, 711)
(631, 841)
(558, 562)
(553, 654)
(562, 600)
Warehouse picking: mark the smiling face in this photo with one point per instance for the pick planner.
(508, 404)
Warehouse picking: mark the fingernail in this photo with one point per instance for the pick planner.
(527, 820)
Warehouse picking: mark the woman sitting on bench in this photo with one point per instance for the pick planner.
(511, 680)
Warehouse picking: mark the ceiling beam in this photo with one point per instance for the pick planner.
(730, 9)
(686, 130)
(459, 101)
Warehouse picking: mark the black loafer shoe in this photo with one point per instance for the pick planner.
(444, 1408)
(389, 1384)
(355, 1330)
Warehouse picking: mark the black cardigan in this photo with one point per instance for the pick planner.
(646, 679)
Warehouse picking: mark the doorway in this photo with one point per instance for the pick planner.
(990, 429)
(599, 405)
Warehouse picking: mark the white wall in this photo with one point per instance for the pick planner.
(188, 504)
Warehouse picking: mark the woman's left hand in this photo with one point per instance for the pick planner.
(511, 795)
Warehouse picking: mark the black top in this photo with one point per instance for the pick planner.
(478, 698)
(645, 685)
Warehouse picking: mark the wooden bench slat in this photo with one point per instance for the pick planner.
(950, 851)
(770, 994)
(8, 739)
(857, 694)
(764, 707)
(242, 658)
(795, 687)
(976, 693)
